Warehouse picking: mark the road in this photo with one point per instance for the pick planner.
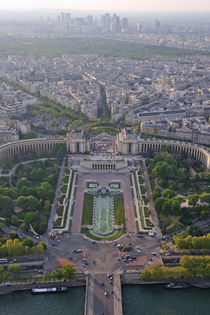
(103, 295)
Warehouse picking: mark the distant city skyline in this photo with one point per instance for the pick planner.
(108, 5)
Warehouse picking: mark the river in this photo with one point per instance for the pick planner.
(137, 300)
(156, 300)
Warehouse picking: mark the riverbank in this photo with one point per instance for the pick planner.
(131, 278)
(10, 287)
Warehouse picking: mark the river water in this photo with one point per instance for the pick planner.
(156, 300)
(137, 300)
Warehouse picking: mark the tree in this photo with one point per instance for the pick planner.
(205, 197)
(193, 199)
(46, 186)
(14, 220)
(47, 205)
(168, 193)
(7, 192)
(164, 156)
(175, 206)
(41, 192)
(156, 193)
(37, 174)
(182, 173)
(166, 207)
(204, 213)
(15, 269)
(43, 244)
(13, 235)
(22, 202)
(27, 191)
(23, 182)
(6, 206)
(27, 241)
(33, 203)
(158, 204)
(29, 217)
(68, 271)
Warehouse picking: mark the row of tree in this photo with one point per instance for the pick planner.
(190, 266)
(13, 273)
(17, 247)
(66, 272)
(192, 242)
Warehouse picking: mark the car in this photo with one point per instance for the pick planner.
(154, 253)
(151, 234)
(105, 293)
(79, 250)
(53, 244)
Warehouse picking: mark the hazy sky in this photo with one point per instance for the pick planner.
(109, 5)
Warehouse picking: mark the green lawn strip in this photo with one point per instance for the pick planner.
(57, 223)
(149, 223)
(119, 209)
(141, 180)
(60, 211)
(146, 200)
(97, 130)
(110, 238)
(63, 189)
(146, 212)
(143, 189)
(141, 214)
(87, 215)
(66, 179)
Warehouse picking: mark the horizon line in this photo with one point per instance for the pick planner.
(103, 10)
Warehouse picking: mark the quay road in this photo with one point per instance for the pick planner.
(103, 294)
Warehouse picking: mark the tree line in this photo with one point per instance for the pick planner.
(190, 266)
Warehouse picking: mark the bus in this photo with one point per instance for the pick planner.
(3, 260)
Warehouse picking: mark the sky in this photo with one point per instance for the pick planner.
(109, 5)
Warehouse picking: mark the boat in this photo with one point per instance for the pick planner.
(48, 290)
(177, 285)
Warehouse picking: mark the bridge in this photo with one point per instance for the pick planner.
(103, 294)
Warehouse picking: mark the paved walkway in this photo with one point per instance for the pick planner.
(78, 206)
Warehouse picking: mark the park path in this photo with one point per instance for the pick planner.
(78, 206)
